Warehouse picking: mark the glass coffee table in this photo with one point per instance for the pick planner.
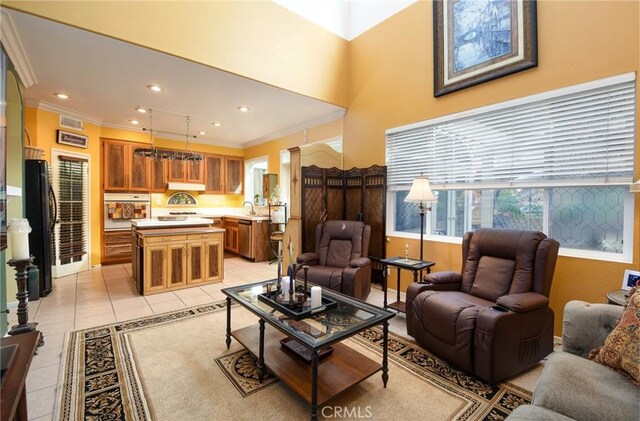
(310, 347)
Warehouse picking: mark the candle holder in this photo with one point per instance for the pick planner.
(23, 325)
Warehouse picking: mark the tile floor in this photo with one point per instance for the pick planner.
(105, 295)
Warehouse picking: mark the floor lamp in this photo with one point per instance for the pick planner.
(421, 193)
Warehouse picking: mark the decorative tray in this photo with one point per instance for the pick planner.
(297, 310)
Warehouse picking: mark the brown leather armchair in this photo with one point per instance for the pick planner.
(340, 261)
(493, 319)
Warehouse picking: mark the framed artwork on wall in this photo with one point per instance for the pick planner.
(476, 41)
(73, 139)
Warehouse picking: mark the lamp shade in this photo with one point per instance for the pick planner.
(420, 191)
(635, 187)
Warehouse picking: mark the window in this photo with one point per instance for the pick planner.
(254, 169)
(560, 162)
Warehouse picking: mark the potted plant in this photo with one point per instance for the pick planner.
(256, 199)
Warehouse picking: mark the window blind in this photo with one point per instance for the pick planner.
(579, 135)
(72, 208)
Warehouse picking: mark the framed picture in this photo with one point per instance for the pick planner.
(476, 41)
(630, 279)
(72, 139)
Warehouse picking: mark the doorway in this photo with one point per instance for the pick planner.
(72, 236)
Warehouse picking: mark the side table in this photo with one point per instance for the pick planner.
(19, 352)
(618, 297)
(400, 263)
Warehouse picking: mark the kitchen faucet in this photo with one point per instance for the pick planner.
(252, 212)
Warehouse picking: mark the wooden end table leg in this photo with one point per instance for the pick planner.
(314, 385)
(228, 340)
(385, 340)
(261, 356)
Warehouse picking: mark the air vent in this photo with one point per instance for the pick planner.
(71, 123)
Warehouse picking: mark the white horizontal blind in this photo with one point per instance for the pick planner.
(584, 136)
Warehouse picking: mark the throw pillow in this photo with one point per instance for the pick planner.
(621, 349)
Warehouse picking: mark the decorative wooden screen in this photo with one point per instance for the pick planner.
(355, 194)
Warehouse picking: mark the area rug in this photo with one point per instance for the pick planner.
(176, 366)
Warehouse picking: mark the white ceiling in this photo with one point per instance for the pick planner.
(106, 79)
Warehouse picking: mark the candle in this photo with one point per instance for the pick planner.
(316, 297)
(19, 229)
(285, 285)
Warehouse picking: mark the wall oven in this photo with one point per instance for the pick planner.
(120, 208)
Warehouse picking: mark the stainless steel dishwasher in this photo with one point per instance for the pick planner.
(244, 238)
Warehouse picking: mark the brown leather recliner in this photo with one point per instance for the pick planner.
(492, 320)
(340, 261)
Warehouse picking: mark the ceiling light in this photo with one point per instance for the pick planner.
(201, 133)
(217, 124)
(134, 122)
(155, 88)
(141, 110)
(243, 109)
(61, 95)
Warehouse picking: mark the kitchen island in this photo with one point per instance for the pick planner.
(176, 254)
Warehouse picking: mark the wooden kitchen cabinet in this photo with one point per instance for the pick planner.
(214, 174)
(155, 268)
(122, 171)
(116, 247)
(159, 175)
(180, 261)
(176, 265)
(260, 241)
(234, 175)
(186, 171)
(231, 235)
(195, 171)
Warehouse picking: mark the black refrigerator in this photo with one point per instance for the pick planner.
(40, 210)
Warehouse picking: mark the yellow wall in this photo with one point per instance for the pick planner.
(255, 39)
(391, 84)
(272, 148)
(42, 126)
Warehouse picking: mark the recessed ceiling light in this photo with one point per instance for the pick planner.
(61, 95)
(141, 110)
(217, 124)
(134, 122)
(201, 133)
(243, 109)
(155, 88)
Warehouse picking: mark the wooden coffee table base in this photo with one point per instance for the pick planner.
(337, 372)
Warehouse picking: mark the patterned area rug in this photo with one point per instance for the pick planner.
(100, 376)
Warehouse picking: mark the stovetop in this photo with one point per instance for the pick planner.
(183, 213)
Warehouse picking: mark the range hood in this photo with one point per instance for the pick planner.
(185, 186)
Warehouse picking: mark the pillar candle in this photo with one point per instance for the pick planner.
(19, 230)
(285, 285)
(316, 297)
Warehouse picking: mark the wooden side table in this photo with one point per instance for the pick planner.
(19, 351)
(618, 297)
(400, 263)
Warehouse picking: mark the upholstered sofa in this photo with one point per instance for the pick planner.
(574, 387)
(340, 260)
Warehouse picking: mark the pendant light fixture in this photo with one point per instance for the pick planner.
(155, 153)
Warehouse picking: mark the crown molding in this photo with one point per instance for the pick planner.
(15, 50)
(47, 106)
(297, 128)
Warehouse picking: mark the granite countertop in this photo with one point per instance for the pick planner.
(155, 223)
(247, 217)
